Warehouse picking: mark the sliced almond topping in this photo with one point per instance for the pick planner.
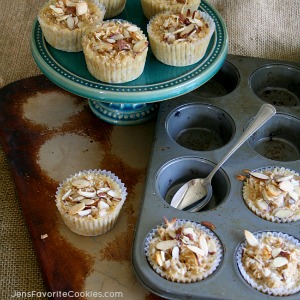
(273, 190)
(70, 23)
(166, 245)
(175, 252)
(294, 195)
(212, 248)
(58, 10)
(279, 178)
(158, 258)
(76, 208)
(196, 250)
(283, 213)
(87, 194)
(103, 205)
(81, 8)
(286, 186)
(140, 46)
(84, 212)
(81, 183)
(67, 194)
(203, 244)
(262, 205)
(275, 252)
(279, 262)
(251, 239)
(132, 28)
(259, 175)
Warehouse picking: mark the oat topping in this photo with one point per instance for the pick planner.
(271, 261)
(275, 192)
(70, 14)
(177, 28)
(90, 196)
(116, 39)
(182, 251)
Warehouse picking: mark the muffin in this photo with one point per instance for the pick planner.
(183, 251)
(90, 202)
(273, 194)
(113, 7)
(152, 7)
(115, 51)
(64, 22)
(270, 262)
(180, 39)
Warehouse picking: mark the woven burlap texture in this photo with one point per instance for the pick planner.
(258, 28)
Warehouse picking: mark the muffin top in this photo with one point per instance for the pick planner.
(271, 260)
(274, 192)
(173, 28)
(183, 252)
(72, 14)
(115, 40)
(88, 195)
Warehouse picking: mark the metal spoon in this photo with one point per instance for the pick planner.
(197, 192)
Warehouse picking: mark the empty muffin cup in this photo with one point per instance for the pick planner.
(278, 139)
(200, 127)
(176, 172)
(224, 82)
(277, 84)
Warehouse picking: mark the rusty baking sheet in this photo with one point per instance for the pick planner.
(48, 134)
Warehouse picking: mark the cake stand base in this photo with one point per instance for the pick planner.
(124, 114)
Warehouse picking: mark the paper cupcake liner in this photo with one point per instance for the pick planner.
(181, 54)
(125, 71)
(113, 7)
(91, 226)
(251, 281)
(63, 38)
(263, 214)
(217, 259)
(153, 7)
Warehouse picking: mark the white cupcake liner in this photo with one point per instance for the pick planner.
(263, 214)
(91, 226)
(113, 7)
(63, 38)
(196, 278)
(181, 54)
(153, 7)
(251, 281)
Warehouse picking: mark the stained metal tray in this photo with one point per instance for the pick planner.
(193, 133)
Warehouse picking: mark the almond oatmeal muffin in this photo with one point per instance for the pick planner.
(180, 39)
(64, 22)
(273, 194)
(113, 7)
(115, 51)
(183, 251)
(90, 202)
(153, 7)
(270, 262)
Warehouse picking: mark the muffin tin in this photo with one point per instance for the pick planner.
(193, 133)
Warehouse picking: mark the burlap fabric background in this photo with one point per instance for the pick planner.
(258, 28)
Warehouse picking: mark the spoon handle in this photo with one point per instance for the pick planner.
(264, 114)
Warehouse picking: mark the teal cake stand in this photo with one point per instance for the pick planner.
(136, 101)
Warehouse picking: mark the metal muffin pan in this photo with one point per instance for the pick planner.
(193, 133)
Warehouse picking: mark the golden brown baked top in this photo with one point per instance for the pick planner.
(71, 14)
(115, 39)
(89, 195)
(272, 261)
(182, 27)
